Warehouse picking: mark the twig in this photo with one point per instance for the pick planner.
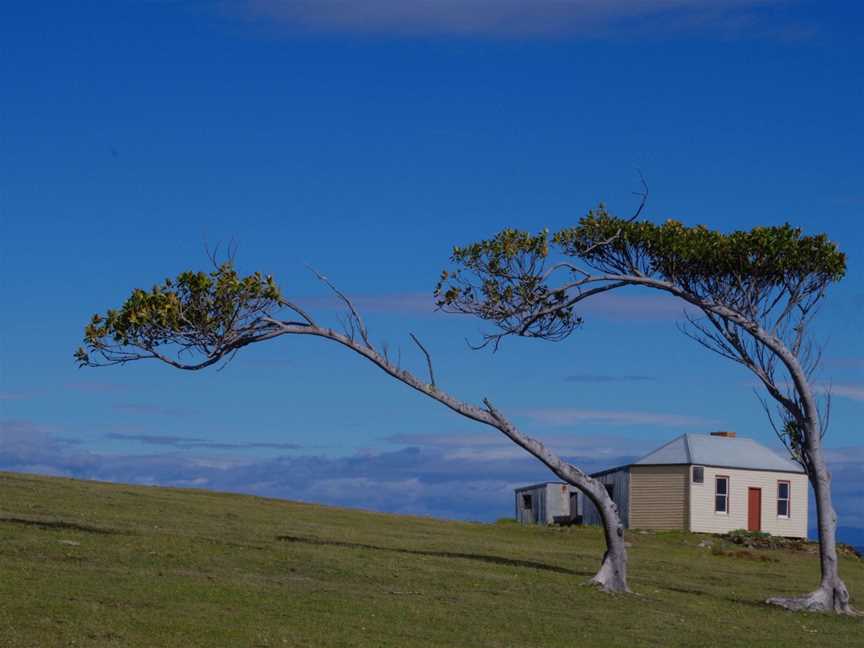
(644, 194)
(428, 358)
(348, 303)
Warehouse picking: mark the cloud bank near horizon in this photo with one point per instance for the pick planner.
(503, 18)
(468, 477)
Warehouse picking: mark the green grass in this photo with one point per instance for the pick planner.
(96, 564)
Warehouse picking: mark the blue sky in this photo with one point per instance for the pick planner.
(366, 139)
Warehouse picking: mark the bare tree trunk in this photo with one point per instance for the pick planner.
(832, 595)
(612, 576)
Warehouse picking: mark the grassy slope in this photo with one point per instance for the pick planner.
(194, 568)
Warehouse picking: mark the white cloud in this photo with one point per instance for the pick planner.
(457, 477)
(622, 306)
(656, 306)
(853, 455)
(854, 392)
(496, 447)
(614, 417)
(491, 17)
(451, 478)
(850, 391)
(4, 396)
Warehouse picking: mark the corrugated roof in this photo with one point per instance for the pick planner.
(725, 452)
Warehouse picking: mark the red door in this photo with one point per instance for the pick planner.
(754, 509)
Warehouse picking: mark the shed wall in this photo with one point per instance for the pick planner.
(548, 502)
(534, 515)
(703, 519)
(620, 482)
(557, 502)
(658, 497)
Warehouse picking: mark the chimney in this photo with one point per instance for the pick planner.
(724, 433)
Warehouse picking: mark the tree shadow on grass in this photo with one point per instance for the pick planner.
(61, 525)
(497, 560)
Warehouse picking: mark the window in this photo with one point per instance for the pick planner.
(527, 502)
(783, 499)
(610, 488)
(698, 474)
(721, 495)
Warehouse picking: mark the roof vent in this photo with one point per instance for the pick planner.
(724, 433)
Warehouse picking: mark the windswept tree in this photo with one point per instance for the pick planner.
(200, 319)
(751, 297)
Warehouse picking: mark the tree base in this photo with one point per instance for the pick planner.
(612, 577)
(826, 599)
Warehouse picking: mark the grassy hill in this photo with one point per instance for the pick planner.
(96, 564)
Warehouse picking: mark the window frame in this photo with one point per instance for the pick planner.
(726, 495)
(693, 479)
(787, 499)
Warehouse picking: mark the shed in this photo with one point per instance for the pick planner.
(547, 503)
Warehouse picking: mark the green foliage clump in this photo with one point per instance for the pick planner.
(672, 250)
(528, 284)
(743, 536)
(196, 310)
(496, 258)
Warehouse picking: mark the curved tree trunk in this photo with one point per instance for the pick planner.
(832, 595)
(612, 576)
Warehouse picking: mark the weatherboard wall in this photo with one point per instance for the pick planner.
(703, 518)
(658, 497)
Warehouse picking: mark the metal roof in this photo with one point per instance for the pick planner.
(723, 452)
(542, 485)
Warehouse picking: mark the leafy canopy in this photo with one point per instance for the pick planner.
(679, 253)
(528, 284)
(198, 311)
(515, 265)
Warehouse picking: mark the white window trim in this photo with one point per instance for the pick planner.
(788, 498)
(728, 494)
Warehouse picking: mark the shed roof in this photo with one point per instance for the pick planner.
(724, 452)
(542, 485)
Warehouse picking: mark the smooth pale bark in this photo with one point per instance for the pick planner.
(612, 575)
(613, 570)
(832, 594)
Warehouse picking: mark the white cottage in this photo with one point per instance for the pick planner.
(702, 483)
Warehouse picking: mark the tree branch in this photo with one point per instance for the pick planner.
(428, 358)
